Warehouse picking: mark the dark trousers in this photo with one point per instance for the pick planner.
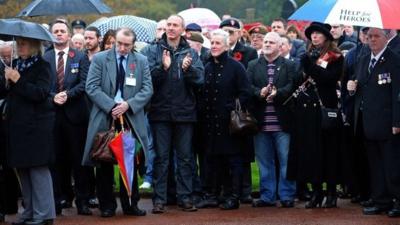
(177, 136)
(230, 169)
(9, 191)
(384, 158)
(105, 186)
(70, 141)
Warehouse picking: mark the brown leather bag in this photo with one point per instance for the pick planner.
(242, 123)
(100, 151)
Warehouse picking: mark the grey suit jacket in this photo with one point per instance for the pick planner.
(101, 88)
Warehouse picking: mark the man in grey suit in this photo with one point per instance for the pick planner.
(118, 83)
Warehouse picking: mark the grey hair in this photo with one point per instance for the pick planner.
(275, 36)
(221, 33)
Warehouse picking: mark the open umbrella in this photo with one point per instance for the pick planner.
(11, 28)
(64, 7)
(368, 13)
(123, 147)
(145, 29)
(202, 16)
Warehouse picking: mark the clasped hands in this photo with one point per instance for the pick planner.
(166, 60)
(11, 74)
(268, 92)
(119, 109)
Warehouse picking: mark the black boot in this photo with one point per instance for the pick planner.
(315, 201)
(331, 201)
(230, 203)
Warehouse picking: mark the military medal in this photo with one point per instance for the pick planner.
(380, 79)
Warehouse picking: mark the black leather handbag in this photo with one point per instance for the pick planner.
(242, 122)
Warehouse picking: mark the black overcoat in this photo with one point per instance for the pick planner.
(29, 118)
(314, 156)
(224, 82)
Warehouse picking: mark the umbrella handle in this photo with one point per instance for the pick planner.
(121, 121)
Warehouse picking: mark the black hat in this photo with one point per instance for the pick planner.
(193, 27)
(231, 22)
(78, 24)
(324, 28)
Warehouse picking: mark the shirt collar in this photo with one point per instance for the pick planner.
(65, 50)
(378, 56)
(118, 55)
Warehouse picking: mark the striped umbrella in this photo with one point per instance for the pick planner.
(145, 29)
(368, 13)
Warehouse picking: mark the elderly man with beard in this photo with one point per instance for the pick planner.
(271, 79)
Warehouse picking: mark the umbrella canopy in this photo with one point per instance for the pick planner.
(368, 13)
(123, 148)
(202, 16)
(145, 29)
(11, 28)
(64, 7)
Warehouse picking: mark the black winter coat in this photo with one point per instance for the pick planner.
(29, 118)
(314, 156)
(225, 81)
(173, 99)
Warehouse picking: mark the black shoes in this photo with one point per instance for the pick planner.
(261, 203)
(93, 203)
(107, 213)
(331, 201)
(208, 201)
(315, 201)
(187, 205)
(229, 204)
(134, 211)
(375, 210)
(84, 210)
(287, 204)
(158, 208)
(395, 211)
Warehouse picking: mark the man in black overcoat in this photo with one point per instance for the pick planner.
(376, 108)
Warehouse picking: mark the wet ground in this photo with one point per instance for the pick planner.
(345, 214)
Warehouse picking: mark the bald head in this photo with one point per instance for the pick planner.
(271, 46)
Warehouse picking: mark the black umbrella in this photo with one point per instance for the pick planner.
(64, 7)
(11, 28)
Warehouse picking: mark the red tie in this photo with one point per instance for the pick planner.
(60, 71)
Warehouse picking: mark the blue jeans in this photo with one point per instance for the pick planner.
(267, 145)
(150, 155)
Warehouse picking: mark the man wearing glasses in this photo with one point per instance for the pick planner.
(257, 34)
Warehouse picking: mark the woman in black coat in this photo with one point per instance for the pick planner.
(317, 149)
(28, 120)
(225, 81)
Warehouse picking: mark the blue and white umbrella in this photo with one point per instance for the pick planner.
(145, 29)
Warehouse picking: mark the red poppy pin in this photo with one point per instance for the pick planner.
(237, 56)
(132, 66)
(71, 54)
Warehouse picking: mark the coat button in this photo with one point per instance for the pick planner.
(219, 74)
(315, 105)
(305, 105)
(215, 99)
(216, 91)
(216, 116)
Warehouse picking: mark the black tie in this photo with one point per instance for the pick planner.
(121, 75)
(372, 64)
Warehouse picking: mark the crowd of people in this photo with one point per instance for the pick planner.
(326, 101)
